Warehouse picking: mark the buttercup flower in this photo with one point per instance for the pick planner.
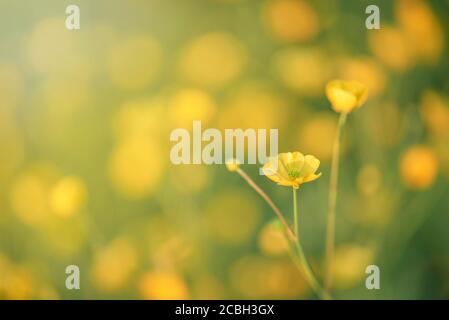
(346, 96)
(292, 169)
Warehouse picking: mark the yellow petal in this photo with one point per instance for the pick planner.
(345, 96)
(269, 171)
(289, 183)
(341, 100)
(296, 162)
(311, 164)
(311, 177)
(282, 161)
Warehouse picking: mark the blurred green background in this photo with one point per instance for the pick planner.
(85, 118)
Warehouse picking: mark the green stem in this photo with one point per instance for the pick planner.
(313, 282)
(288, 231)
(295, 215)
(330, 232)
(299, 261)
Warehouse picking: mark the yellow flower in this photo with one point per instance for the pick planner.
(232, 165)
(68, 196)
(346, 96)
(419, 167)
(161, 285)
(292, 169)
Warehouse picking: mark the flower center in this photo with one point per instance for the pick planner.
(293, 173)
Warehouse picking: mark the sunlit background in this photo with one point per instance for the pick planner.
(85, 175)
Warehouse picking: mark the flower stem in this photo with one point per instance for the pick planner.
(333, 187)
(290, 234)
(295, 214)
(298, 259)
(313, 282)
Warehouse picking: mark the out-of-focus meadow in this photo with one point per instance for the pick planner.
(85, 174)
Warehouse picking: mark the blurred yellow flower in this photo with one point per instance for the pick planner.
(29, 194)
(113, 265)
(67, 196)
(435, 113)
(136, 167)
(304, 71)
(291, 20)
(18, 284)
(28, 198)
(163, 285)
(257, 277)
(419, 167)
(272, 240)
(418, 22)
(140, 118)
(213, 59)
(254, 105)
(188, 105)
(292, 169)
(14, 282)
(65, 237)
(47, 292)
(349, 264)
(398, 57)
(181, 178)
(51, 49)
(346, 96)
(317, 135)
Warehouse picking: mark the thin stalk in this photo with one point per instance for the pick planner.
(333, 187)
(313, 282)
(287, 229)
(299, 259)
